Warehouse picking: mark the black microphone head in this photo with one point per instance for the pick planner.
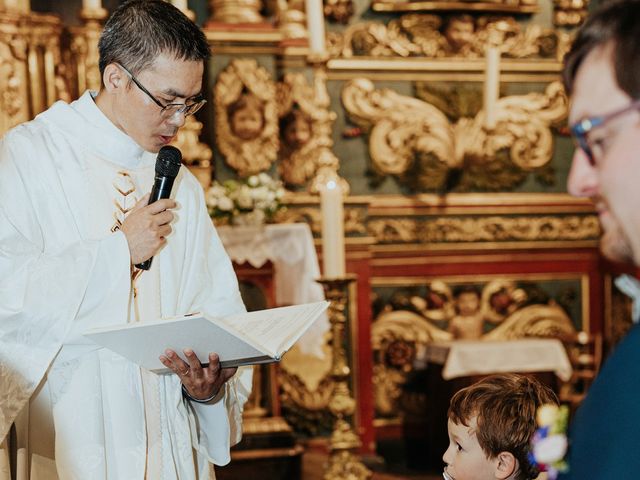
(168, 162)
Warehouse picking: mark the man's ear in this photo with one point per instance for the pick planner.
(506, 465)
(113, 78)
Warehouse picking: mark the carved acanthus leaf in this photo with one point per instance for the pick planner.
(399, 127)
(486, 229)
(427, 35)
(412, 138)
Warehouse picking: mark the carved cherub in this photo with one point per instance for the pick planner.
(246, 116)
(468, 323)
(295, 129)
(459, 32)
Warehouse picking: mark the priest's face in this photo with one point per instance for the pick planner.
(607, 170)
(169, 81)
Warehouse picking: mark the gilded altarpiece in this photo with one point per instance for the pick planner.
(439, 199)
(434, 193)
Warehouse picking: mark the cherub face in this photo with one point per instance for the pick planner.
(468, 303)
(247, 123)
(297, 132)
(459, 33)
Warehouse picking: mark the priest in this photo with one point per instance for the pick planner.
(74, 224)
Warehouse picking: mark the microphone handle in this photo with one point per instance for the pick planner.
(161, 189)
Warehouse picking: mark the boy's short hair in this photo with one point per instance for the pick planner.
(505, 408)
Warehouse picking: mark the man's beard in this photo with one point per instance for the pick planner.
(615, 245)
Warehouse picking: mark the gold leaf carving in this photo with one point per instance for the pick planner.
(399, 127)
(399, 337)
(413, 139)
(570, 13)
(485, 229)
(246, 117)
(310, 215)
(305, 127)
(234, 11)
(434, 36)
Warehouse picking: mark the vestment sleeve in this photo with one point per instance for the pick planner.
(45, 292)
(211, 276)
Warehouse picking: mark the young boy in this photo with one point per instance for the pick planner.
(490, 425)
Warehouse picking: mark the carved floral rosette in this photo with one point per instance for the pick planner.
(256, 155)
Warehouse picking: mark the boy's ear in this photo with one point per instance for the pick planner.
(506, 465)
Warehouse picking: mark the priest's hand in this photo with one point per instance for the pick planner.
(146, 227)
(200, 382)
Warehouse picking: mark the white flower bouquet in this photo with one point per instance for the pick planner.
(252, 201)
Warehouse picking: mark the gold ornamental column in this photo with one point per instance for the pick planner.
(344, 464)
(84, 49)
(326, 161)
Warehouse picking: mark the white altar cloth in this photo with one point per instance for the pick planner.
(468, 357)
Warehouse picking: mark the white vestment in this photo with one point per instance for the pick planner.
(63, 184)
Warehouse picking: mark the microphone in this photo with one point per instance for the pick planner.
(167, 166)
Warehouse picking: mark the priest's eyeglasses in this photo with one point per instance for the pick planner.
(169, 110)
(595, 149)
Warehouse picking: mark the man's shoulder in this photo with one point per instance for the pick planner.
(607, 422)
(29, 133)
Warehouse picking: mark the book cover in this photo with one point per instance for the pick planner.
(241, 339)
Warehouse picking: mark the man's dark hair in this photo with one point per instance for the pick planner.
(139, 31)
(616, 23)
(505, 408)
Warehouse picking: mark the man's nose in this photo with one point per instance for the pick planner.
(178, 119)
(583, 177)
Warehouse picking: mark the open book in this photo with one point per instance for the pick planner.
(242, 339)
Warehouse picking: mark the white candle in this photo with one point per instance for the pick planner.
(22, 472)
(491, 86)
(91, 4)
(315, 26)
(332, 230)
(180, 4)
(5, 470)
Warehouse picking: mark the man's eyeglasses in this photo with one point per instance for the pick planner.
(169, 110)
(580, 131)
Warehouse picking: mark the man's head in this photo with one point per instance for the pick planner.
(151, 56)
(602, 76)
(491, 424)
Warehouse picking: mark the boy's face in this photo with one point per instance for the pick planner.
(464, 458)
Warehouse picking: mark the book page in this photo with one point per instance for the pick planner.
(276, 329)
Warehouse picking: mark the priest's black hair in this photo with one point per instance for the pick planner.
(139, 31)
